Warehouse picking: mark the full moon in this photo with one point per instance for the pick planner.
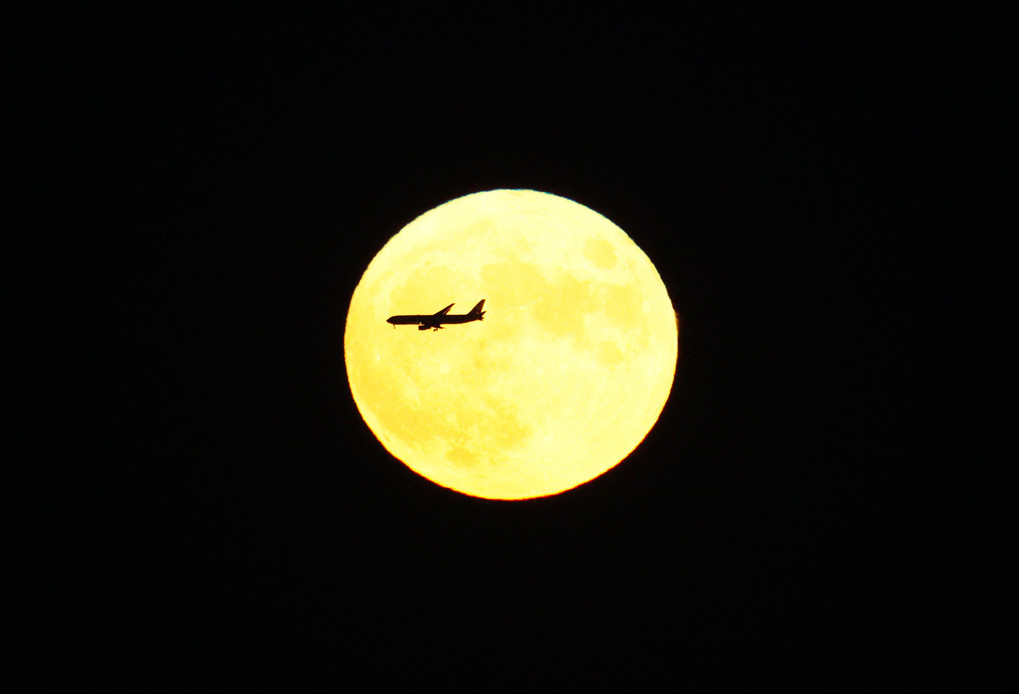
(565, 375)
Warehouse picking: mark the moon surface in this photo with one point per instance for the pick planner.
(564, 377)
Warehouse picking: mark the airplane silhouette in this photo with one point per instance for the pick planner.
(435, 320)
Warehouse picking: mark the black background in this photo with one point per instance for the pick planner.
(216, 185)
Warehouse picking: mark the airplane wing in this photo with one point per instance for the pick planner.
(444, 311)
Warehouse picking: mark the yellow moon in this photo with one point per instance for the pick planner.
(563, 378)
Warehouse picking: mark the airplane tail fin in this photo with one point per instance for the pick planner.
(477, 312)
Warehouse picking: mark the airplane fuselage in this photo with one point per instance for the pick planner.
(426, 319)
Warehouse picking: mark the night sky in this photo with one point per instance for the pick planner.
(221, 182)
